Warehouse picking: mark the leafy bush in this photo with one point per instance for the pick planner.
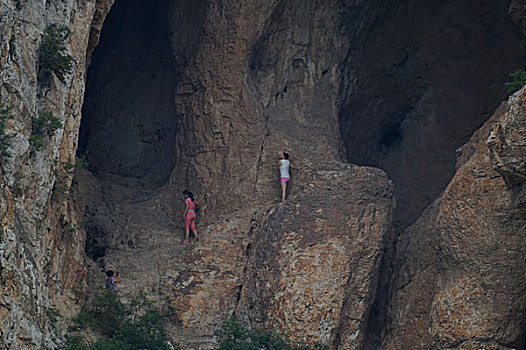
(37, 142)
(233, 336)
(46, 124)
(79, 164)
(53, 314)
(518, 81)
(53, 56)
(43, 126)
(75, 342)
(138, 325)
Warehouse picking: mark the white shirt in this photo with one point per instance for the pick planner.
(284, 168)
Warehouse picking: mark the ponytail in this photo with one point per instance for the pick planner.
(189, 194)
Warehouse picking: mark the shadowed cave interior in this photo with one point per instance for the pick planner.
(130, 120)
(428, 74)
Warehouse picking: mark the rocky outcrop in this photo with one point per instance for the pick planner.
(314, 262)
(507, 144)
(461, 281)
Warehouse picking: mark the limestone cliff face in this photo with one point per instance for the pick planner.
(205, 95)
(461, 281)
(42, 267)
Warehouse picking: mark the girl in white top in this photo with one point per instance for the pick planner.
(284, 164)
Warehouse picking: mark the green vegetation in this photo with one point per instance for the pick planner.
(518, 81)
(79, 164)
(12, 46)
(74, 227)
(43, 126)
(37, 142)
(53, 56)
(138, 325)
(75, 342)
(47, 123)
(233, 336)
(5, 115)
(52, 314)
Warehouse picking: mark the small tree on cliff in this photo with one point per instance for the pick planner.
(518, 80)
(52, 55)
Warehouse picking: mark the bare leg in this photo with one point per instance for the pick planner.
(283, 192)
(187, 234)
(193, 229)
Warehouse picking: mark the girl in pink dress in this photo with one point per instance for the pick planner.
(189, 215)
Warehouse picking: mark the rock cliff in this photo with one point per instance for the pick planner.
(460, 283)
(42, 250)
(205, 95)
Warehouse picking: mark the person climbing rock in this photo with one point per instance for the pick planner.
(112, 280)
(284, 164)
(189, 215)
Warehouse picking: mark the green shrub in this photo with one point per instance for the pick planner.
(53, 314)
(12, 46)
(75, 342)
(53, 56)
(138, 325)
(46, 124)
(81, 162)
(518, 81)
(233, 336)
(37, 142)
(108, 344)
(42, 127)
(5, 115)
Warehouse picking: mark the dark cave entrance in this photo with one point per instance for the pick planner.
(426, 76)
(130, 121)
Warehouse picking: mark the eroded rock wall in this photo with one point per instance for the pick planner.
(42, 265)
(461, 276)
(313, 264)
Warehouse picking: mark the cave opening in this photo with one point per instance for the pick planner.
(423, 77)
(130, 120)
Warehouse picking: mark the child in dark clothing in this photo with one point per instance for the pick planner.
(112, 280)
